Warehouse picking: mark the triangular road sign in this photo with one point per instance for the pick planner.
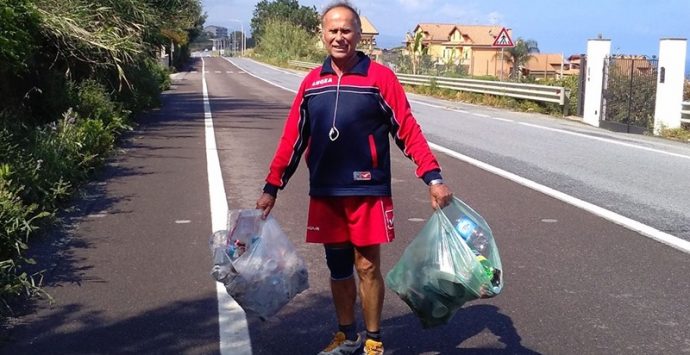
(503, 39)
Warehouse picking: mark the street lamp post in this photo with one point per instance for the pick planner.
(243, 44)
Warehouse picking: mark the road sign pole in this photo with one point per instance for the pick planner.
(502, 60)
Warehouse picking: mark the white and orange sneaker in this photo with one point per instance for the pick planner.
(373, 347)
(341, 346)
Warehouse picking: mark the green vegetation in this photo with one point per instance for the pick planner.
(74, 74)
(519, 55)
(284, 31)
(290, 11)
(283, 41)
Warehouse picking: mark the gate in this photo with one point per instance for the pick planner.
(629, 94)
(582, 86)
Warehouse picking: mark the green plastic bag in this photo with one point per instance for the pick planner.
(453, 259)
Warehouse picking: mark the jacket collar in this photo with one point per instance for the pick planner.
(361, 68)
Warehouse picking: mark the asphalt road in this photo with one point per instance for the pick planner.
(131, 275)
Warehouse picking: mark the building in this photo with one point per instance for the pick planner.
(546, 66)
(216, 31)
(469, 46)
(368, 42)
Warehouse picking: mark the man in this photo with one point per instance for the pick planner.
(342, 116)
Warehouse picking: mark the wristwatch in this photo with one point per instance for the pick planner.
(435, 182)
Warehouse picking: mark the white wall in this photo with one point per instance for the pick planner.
(597, 50)
(669, 90)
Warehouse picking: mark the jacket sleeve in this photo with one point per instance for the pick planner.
(405, 129)
(292, 144)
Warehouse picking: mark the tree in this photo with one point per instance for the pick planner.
(417, 51)
(288, 10)
(283, 40)
(519, 55)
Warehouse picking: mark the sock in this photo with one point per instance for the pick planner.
(374, 335)
(349, 330)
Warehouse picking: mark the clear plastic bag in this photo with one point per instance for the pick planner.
(453, 259)
(257, 263)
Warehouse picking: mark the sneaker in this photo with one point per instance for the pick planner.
(341, 346)
(373, 347)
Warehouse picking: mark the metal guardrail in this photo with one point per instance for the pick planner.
(555, 94)
(534, 92)
(685, 112)
(306, 65)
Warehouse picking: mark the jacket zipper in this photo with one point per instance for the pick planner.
(333, 134)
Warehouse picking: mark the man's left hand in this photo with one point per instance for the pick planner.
(440, 195)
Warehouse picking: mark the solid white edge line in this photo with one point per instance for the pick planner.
(260, 78)
(232, 322)
(605, 140)
(277, 68)
(645, 230)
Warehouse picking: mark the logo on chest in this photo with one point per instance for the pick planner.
(362, 175)
(322, 81)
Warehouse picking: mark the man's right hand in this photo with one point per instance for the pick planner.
(265, 203)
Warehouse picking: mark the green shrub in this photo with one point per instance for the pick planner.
(17, 222)
(282, 40)
(147, 79)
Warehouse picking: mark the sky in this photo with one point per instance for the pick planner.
(633, 26)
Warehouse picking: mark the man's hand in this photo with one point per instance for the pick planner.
(440, 196)
(265, 203)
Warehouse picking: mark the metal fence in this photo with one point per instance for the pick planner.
(685, 112)
(544, 93)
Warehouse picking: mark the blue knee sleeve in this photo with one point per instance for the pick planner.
(340, 261)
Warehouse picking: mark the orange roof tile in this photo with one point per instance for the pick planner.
(477, 34)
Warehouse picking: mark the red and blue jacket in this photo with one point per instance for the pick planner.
(343, 124)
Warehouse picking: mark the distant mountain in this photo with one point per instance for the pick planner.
(388, 41)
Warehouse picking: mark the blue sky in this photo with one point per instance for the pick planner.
(633, 26)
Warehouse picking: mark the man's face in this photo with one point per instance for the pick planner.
(340, 33)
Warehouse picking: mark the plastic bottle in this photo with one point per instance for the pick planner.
(222, 267)
(478, 241)
(486, 266)
(472, 234)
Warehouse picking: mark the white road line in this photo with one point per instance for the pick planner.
(645, 230)
(260, 78)
(605, 140)
(668, 239)
(277, 69)
(232, 322)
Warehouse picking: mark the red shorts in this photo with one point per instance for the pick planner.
(360, 220)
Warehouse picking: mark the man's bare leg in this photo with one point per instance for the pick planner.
(371, 286)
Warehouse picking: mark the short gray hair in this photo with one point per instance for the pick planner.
(344, 4)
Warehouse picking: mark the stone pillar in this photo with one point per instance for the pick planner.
(669, 83)
(597, 51)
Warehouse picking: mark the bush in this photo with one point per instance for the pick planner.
(283, 41)
(146, 80)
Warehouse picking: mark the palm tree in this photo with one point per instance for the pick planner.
(519, 55)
